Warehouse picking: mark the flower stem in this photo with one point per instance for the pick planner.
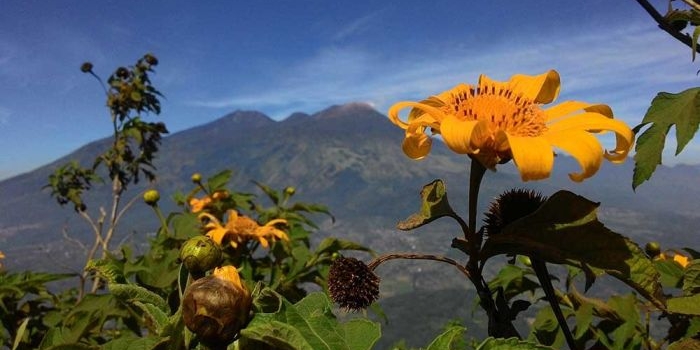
(410, 256)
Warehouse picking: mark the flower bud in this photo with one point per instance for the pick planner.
(352, 284)
(653, 249)
(86, 67)
(151, 197)
(196, 178)
(150, 59)
(290, 190)
(200, 254)
(217, 307)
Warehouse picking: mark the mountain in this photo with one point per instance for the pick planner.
(348, 157)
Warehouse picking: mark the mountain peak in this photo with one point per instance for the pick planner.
(352, 108)
(249, 118)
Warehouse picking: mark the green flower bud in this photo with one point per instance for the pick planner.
(151, 197)
(216, 309)
(290, 190)
(196, 178)
(200, 254)
(653, 249)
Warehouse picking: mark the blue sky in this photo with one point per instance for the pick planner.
(279, 57)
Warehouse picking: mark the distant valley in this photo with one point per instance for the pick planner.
(349, 158)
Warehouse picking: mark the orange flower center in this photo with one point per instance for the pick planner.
(501, 108)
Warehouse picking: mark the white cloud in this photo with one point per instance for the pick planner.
(625, 72)
(357, 26)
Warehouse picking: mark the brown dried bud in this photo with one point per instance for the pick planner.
(217, 307)
(122, 73)
(150, 59)
(86, 67)
(511, 206)
(351, 284)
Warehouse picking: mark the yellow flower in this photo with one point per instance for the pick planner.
(2, 256)
(229, 273)
(197, 205)
(495, 122)
(681, 260)
(240, 229)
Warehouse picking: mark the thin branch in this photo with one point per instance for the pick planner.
(663, 24)
(692, 4)
(410, 256)
(67, 237)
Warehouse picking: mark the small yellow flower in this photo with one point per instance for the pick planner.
(229, 273)
(681, 260)
(495, 122)
(240, 229)
(2, 256)
(197, 204)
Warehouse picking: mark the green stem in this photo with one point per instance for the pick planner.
(161, 218)
(476, 174)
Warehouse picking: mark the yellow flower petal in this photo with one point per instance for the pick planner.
(567, 109)
(595, 122)
(417, 145)
(581, 145)
(430, 112)
(533, 156)
(228, 273)
(681, 260)
(543, 88)
(457, 134)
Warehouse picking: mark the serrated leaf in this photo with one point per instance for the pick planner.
(434, 205)
(565, 230)
(510, 344)
(667, 109)
(685, 305)
(20, 333)
(154, 316)
(131, 293)
(308, 324)
(219, 180)
(449, 339)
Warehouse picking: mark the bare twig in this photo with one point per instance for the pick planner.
(666, 26)
(410, 256)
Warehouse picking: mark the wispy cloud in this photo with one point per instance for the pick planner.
(357, 26)
(623, 73)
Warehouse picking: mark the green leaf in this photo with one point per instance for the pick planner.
(434, 206)
(131, 343)
(361, 334)
(308, 324)
(330, 245)
(218, 181)
(565, 230)
(510, 344)
(157, 320)
(667, 109)
(20, 333)
(450, 339)
(685, 305)
(671, 274)
(691, 278)
(132, 293)
(685, 344)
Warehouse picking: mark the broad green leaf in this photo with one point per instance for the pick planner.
(219, 180)
(667, 109)
(361, 334)
(331, 245)
(685, 344)
(671, 274)
(510, 344)
(434, 206)
(73, 346)
(308, 324)
(449, 339)
(691, 278)
(685, 305)
(513, 279)
(131, 343)
(131, 293)
(565, 230)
